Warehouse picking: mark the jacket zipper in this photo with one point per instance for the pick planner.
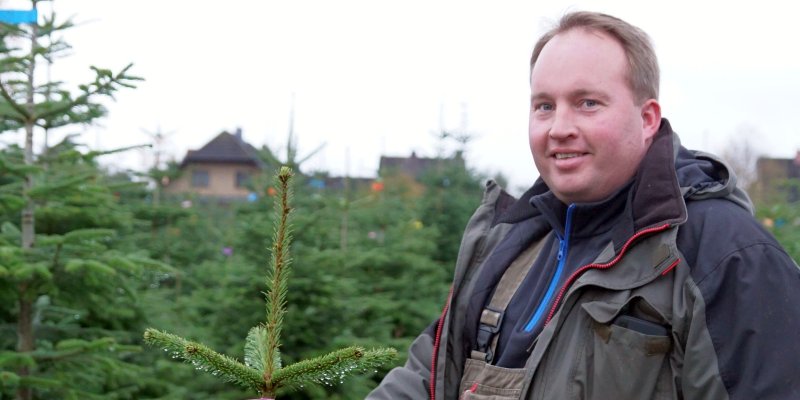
(607, 265)
(437, 343)
(563, 249)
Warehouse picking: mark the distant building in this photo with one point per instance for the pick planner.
(341, 183)
(408, 172)
(778, 179)
(225, 165)
(222, 168)
(415, 167)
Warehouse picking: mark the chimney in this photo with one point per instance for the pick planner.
(238, 133)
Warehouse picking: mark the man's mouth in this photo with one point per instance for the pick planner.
(562, 156)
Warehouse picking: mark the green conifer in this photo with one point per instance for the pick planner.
(66, 291)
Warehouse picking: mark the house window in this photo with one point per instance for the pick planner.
(242, 179)
(200, 178)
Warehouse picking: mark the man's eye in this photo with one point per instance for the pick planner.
(589, 103)
(544, 107)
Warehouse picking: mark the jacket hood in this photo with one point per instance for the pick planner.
(704, 176)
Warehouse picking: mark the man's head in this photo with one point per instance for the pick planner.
(594, 108)
(643, 75)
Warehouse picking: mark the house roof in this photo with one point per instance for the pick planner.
(226, 148)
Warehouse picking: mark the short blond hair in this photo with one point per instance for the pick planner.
(643, 72)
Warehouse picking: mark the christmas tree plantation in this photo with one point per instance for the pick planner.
(262, 371)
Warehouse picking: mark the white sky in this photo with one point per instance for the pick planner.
(378, 77)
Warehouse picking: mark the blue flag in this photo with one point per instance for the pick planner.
(18, 16)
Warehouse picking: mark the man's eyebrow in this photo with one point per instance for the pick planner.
(540, 96)
(588, 93)
(578, 93)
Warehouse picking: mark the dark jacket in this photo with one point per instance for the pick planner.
(683, 253)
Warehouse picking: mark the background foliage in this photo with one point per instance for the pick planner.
(198, 271)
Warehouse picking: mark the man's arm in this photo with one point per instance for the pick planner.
(744, 339)
(412, 380)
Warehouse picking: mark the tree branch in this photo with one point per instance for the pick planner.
(18, 108)
(99, 88)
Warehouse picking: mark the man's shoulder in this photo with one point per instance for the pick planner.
(712, 208)
(717, 229)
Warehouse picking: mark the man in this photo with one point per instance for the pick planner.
(632, 269)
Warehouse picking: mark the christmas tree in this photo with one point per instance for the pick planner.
(65, 289)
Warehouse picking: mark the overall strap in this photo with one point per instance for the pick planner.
(492, 315)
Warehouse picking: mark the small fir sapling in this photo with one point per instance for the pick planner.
(262, 371)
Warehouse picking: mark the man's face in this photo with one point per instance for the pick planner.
(587, 133)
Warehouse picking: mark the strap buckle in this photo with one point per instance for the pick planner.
(491, 320)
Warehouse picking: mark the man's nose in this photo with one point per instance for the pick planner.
(563, 124)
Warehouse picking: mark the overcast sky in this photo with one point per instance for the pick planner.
(381, 77)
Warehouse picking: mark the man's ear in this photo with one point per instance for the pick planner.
(651, 119)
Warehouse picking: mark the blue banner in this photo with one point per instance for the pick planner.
(18, 16)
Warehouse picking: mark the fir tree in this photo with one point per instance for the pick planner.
(262, 370)
(71, 292)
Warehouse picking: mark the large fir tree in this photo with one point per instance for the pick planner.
(67, 292)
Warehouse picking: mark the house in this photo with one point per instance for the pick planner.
(778, 179)
(222, 168)
(342, 183)
(415, 167)
(408, 172)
